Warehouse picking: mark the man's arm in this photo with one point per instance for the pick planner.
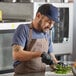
(24, 55)
(53, 58)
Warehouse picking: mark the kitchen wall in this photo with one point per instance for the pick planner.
(16, 10)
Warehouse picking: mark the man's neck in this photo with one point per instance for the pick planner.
(34, 25)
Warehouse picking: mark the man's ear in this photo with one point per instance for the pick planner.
(38, 15)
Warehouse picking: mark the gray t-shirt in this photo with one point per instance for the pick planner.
(21, 36)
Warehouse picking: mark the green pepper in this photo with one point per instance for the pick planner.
(62, 69)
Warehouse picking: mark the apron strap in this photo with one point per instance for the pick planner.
(31, 41)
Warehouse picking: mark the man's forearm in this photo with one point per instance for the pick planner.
(53, 57)
(24, 55)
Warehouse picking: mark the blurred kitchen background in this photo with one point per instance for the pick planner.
(15, 12)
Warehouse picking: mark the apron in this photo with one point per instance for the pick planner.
(34, 65)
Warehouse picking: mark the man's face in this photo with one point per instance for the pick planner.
(45, 24)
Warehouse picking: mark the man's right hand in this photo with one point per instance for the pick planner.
(46, 58)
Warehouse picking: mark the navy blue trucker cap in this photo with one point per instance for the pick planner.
(50, 11)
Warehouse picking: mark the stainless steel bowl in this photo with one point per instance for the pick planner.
(74, 70)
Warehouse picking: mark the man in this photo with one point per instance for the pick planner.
(32, 48)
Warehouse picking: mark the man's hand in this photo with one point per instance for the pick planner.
(61, 63)
(46, 59)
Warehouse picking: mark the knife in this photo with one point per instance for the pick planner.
(67, 62)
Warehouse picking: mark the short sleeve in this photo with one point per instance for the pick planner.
(20, 35)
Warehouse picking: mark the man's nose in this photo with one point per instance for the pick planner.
(47, 24)
(51, 25)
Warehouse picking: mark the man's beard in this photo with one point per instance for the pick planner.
(40, 28)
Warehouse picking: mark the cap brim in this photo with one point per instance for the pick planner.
(54, 19)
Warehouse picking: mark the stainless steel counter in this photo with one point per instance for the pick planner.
(48, 73)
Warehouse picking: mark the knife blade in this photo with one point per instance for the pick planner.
(67, 62)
